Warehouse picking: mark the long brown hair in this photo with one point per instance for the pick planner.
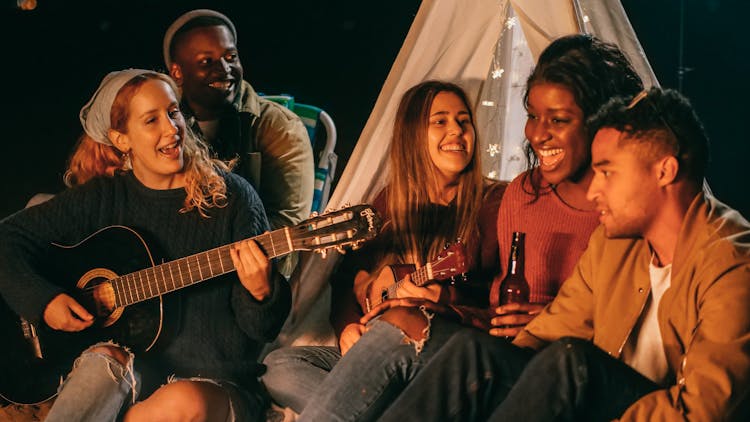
(204, 185)
(413, 176)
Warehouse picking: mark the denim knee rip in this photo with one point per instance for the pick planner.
(419, 344)
(115, 369)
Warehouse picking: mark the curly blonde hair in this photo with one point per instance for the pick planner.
(204, 183)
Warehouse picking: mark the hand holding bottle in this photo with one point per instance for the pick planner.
(510, 319)
(515, 310)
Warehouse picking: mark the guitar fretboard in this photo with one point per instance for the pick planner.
(164, 278)
(418, 277)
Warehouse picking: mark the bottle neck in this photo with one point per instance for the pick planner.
(516, 259)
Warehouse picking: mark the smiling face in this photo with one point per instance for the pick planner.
(625, 186)
(154, 131)
(207, 67)
(555, 129)
(450, 136)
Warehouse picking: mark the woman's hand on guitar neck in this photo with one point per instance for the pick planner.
(64, 313)
(350, 335)
(253, 268)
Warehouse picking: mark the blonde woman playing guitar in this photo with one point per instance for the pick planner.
(137, 165)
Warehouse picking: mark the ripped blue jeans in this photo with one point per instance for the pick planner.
(374, 372)
(96, 389)
(99, 389)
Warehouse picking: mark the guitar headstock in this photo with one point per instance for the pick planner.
(347, 227)
(450, 262)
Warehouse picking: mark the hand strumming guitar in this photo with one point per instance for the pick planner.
(253, 268)
(370, 288)
(409, 302)
(64, 313)
(430, 292)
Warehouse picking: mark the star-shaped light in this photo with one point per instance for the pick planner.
(493, 149)
(497, 73)
(511, 22)
(492, 174)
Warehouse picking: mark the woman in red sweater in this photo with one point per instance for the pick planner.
(574, 76)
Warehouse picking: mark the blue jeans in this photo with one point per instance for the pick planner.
(576, 381)
(477, 377)
(99, 388)
(465, 380)
(374, 372)
(294, 373)
(95, 390)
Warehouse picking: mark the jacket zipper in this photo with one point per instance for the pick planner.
(640, 312)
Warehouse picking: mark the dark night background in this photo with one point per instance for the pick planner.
(331, 53)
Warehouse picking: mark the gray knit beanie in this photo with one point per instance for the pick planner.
(182, 20)
(94, 115)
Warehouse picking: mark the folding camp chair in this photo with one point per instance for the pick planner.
(319, 126)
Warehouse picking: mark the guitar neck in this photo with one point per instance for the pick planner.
(174, 275)
(419, 277)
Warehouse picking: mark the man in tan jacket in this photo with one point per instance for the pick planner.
(654, 323)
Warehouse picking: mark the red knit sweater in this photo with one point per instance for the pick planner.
(556, 236)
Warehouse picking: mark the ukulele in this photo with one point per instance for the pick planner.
(115, 276)
(448, 264)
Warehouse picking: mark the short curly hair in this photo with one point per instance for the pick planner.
(666, 120)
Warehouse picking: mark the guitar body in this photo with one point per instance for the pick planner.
(116, 250)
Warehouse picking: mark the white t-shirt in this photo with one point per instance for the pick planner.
(644, 350)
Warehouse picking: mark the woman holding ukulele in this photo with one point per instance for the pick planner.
(435, 195)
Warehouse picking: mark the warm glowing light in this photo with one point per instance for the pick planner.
(26, 4)
(497, 73)
(511, 22)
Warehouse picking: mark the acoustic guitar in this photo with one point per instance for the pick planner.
(451, 262)
(116, 277)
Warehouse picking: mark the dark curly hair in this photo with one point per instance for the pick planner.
(665, 119)
(593, 70)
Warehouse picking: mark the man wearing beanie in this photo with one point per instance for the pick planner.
(274, 150)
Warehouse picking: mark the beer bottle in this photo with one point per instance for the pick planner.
(514, 288)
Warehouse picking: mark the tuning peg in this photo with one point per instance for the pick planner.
(341, 250)
(313, 214)
(356, 245)
(323, 253)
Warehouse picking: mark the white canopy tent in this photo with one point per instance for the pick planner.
(486, 46)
